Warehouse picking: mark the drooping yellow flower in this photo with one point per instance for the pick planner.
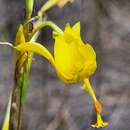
(73, 58)
(73, 61)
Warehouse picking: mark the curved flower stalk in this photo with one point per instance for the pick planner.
(51, 3)
(73, 61)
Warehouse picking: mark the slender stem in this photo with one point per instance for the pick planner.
(46, 6)
(87, 87)
(33, 19)
(19, 77)
(45, 24)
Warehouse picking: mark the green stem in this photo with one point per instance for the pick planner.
(45, 24)
(41, 12)
(7, 116)
(46, 6)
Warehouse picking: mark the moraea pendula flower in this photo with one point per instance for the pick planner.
(73, 58)
(73, 61)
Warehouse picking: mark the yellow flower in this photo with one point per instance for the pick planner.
(61, 3)
(73, 61)
(73, 58)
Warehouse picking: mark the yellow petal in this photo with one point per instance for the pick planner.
(62, 55)
(76, 28)
(67, 56)
(37, 48)
(20, 36)
(66, 51)
(72, 34)
(69, 35)
(88, 52)
(86, 61)
(19, 39)
(89, 55)
(69, 60)
(78, 61)
(41, 50)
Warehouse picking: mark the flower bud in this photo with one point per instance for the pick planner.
(29, 8)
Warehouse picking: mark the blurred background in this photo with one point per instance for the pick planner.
(52, 105)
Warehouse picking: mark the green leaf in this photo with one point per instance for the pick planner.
(7, 116)
(24, 81)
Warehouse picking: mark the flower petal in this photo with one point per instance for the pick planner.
(76, 28)
(20, 36)
(62, 55)
(72, 56)
(41, 50)
(37, 48)
(88, 52)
